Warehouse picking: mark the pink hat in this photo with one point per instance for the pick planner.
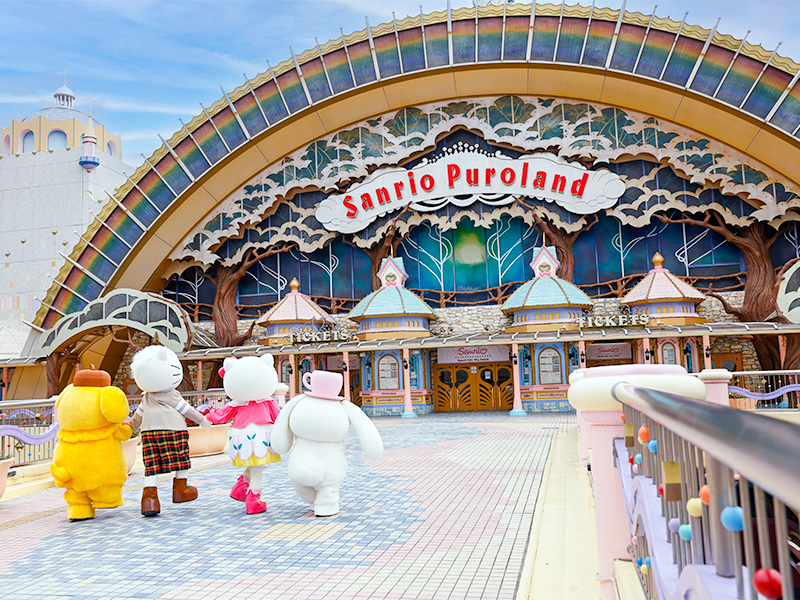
(324, 385)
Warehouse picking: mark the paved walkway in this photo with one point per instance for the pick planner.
(444, 514)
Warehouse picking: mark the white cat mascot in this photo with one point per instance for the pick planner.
(162, 416)
(250, 383)
(318, 423)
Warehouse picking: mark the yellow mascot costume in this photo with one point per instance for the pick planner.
(88, 460)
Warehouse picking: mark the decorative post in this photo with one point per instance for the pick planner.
(199, 385)
(581, 354)
(706, 352)
(408, 407)
(716, 382)
(517, 410)
(590, 393)
(346, 369)
(292, 378)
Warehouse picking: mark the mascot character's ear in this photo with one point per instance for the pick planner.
(114, 404)
(227, 365)
(269, 359)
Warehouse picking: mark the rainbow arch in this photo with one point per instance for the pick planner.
(742, 94)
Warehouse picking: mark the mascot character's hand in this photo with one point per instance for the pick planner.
(123, 433)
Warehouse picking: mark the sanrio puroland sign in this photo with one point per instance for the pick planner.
(461, 178)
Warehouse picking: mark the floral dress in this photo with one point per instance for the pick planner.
(250, 431)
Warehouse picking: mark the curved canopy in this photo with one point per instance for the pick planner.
(740, 95)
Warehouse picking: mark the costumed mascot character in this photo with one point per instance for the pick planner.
(88, 459)
(162, 416)
(318, 423)
(250, 383)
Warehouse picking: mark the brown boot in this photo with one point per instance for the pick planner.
(150, 504)
(182, 492)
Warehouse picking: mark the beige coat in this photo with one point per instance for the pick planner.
(164, 411)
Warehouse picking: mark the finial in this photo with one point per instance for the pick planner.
(657, 260)
(294, 285)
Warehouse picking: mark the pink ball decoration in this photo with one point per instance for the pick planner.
(768, 583)
(636, 469)
(635, 540)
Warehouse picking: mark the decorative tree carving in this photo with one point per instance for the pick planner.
(791, 360)
(54, 366)
(561, 239)
(754, 241)
(385, 246)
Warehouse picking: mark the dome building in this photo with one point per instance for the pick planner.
(296, 314)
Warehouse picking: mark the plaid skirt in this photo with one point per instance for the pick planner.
(165, 451)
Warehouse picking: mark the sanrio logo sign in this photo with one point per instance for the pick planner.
(461, 178)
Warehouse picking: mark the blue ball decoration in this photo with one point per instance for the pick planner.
(732, 518)
(638, 562)
(674, 525)
(653, 446)
(647, 561)
(685, 531)
(637, 459)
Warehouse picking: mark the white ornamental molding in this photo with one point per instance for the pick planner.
(463, 177)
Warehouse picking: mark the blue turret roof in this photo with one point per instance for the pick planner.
(545, 292)
(391, 301)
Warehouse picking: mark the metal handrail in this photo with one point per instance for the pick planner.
(745, 373)
(764, 450)
(12, 404)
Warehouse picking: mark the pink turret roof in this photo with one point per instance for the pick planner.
(294, 308)
(659, 285)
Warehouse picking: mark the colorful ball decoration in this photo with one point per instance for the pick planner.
(732, 518)
(644, 569)
(694, 507)
(653, 446)
(639, 562)
(674, 525)
(685, 531)
(635, 540)
(660, 489)
(638, 459)
(635, 469)
(768, 583)
(704, 494)
(622, 416)
(647, 561)
(630, 459)
(644, 434)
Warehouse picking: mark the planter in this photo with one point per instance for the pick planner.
(129, 449)
(5, 465)
(205, 441)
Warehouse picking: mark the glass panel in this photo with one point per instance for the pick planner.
(503, 375)
(668, 353)
(446, 377)
(461, 376)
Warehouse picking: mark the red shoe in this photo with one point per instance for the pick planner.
(253, 503)
(239, 489)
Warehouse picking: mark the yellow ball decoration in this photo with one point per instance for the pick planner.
(695, 507)
(644, 569)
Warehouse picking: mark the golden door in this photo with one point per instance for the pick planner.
(455, 388)
(495, 387)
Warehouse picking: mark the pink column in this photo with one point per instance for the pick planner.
(517, 410)
(293, 376)
(346, 363)
(706, 359)
(582, 354)
(716, 381)
(408, 406)
(199, 385)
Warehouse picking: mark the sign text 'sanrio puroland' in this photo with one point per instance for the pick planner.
(461, 178)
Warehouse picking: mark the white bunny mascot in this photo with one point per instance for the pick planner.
(318, 423)
(250, 383)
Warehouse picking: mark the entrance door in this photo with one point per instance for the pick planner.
(473, 387)
(495, 387)
(728, 360)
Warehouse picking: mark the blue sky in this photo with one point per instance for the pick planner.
(148, 63)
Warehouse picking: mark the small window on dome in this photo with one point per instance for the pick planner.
(28, 142)
(6, 145)
(56, 140)
(111, 148)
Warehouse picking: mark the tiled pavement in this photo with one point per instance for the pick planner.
(444, 514)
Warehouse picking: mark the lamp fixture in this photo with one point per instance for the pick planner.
(514, 358)
(708, 351)
(291, 370)
(647, 355)
(583, 357)
(405, 363)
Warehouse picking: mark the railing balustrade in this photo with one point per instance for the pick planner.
(712, 494)
(765, 389)
(28, 430)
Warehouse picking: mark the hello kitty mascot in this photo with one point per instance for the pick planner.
(318, 422)
(162, 416)
(250, 383)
